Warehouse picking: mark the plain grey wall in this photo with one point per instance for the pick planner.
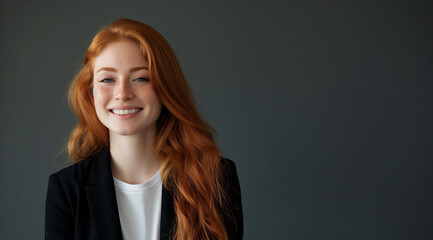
(325, 106)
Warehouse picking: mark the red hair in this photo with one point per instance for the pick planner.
(190, 161)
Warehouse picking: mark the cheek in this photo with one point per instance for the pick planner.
(100, 96)
(148, 95)
(153, 99)
(100, 101)
(157, 103)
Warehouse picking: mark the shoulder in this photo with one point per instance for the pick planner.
(229, 172)
(227, 163)
(76, 176)
(76, 173)
(66, 187)
(230, 178)
(233, 207)
(65, 196)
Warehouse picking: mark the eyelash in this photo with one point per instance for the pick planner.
(106, 80)
(141, 79)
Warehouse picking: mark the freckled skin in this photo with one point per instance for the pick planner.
(116, 86)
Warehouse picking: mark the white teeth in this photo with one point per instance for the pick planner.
(126, 111)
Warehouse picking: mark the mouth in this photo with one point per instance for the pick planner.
(123, 112)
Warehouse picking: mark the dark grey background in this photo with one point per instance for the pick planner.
(325, 106)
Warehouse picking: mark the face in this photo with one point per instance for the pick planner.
(123, 96)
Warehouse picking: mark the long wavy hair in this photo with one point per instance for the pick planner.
(184, 143)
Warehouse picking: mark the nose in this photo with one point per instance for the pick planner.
(123, 91)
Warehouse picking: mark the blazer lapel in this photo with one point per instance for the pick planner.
(102, 201)
(167, 215)
(101, 197)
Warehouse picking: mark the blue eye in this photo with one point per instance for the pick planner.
(106, 80)
(142, 79)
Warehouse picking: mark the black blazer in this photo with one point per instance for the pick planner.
(81, 203)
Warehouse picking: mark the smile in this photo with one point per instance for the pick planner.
(125, 111)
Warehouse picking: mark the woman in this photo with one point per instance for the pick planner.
(145, 164)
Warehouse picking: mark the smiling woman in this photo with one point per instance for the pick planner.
(145, 163)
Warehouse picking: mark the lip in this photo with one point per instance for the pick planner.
(124, 108)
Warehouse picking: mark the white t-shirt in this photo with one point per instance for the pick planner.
(140, 208)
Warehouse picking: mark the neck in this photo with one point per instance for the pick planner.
(132, 157)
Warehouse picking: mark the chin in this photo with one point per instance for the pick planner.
(124, 132)
(132, 130)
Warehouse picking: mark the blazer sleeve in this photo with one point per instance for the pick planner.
(234, 220)
(59, 223)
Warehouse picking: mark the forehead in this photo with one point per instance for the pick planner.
(121, 54)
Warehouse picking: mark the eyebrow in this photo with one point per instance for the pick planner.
(110, 69)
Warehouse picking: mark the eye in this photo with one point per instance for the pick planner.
(142, 79)
(106, 80)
